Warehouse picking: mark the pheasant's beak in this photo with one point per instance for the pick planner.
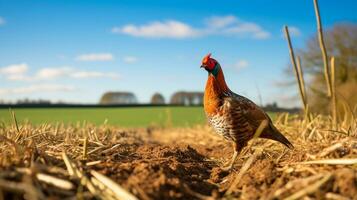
(202, 66)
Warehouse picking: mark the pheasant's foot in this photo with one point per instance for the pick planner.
(229, 165)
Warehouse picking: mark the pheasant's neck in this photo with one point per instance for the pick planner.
(216, 81)
(216, 89)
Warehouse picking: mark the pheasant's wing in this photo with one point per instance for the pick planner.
(252, 113)
(252, 116)
(244, 117)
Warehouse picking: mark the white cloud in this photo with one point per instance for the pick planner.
(241, 64)
(221, 21)
(166, 29)
(15, 72)
(130, 59)
(216, 25)
(2, 21)
(15, 69)
(18, 72)
(52, 73)
(93, 74)
(247, 28)
(95, 57)
(37, 88)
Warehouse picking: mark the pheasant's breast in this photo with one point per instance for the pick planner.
(229, 122)
(220, 125)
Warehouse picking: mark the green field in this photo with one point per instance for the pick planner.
(125, 117)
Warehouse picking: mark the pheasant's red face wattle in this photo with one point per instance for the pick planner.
(208, 63)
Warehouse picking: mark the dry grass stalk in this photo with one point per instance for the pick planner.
(330, 149)
(93, 163)
(312, 132)
(301, 77)
(333, 94)
(60, 183)
(323, 49)
(111, 149)
(260, 129)
(296, 69)
(13, 116)
(286, 118)
(96, 149)
(310, 189)
(68, 164)
(334, 196)
(302, 83)
(73, 171)
(85, 146)
(14, 120)
(346, 161)
(118, 190)
(105, 193)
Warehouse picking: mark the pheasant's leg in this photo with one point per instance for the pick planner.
(237, 150)
(230, 164)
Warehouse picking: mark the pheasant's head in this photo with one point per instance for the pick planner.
(210, 64)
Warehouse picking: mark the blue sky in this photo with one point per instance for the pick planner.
(74, 51)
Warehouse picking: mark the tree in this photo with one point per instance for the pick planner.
(157, 98)
(187, 98)
(341, 42)
(118, 98)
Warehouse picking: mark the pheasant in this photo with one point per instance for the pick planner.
(233, 116)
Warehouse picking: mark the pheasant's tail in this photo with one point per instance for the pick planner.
(274, 134)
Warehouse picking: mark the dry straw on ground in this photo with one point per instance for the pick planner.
(39, 162)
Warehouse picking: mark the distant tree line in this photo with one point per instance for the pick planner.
(184, 98)
(178, 98)
(28, 102)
